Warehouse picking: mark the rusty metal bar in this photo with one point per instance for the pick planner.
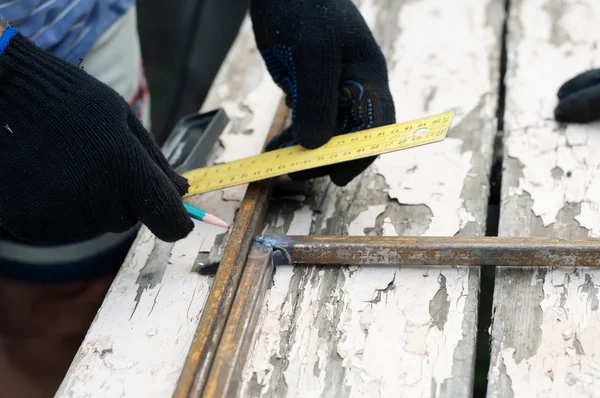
(426, 250)
(248, 224)
(267, 251)
(238, 336)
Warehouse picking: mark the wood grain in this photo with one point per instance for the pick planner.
(546, 321)
(138, 343)
(392, 331)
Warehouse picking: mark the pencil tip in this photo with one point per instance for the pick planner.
(210, 219)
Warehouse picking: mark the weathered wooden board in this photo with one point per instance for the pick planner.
(138, 343)
(393, 331)
(546, 322)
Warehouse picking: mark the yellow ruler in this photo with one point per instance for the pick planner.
(343, 148)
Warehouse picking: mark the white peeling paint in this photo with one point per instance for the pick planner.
(240, 144)
(387, 341)
(403, 350)
(388, 228)
(302, 221)
(307, 349)
(387, 331)
(445, 171)
(440, 63)
(124, 351)
(533, 89)
(329, 211)
(456, 79)
(234, 193)
(565, 364)
(365, 220)
(137, 349)
(559, 167)
(276, 319)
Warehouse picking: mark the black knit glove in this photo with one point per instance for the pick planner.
(579, 98)
(75, 161)
(326, 60)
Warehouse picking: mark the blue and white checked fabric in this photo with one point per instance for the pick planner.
(66, 28)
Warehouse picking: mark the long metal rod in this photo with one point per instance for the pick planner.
(431, 251)
(267, 251)
(248, 223)
(225, 376)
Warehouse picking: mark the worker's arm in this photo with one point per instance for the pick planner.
(75, 161)
(325, 58)
(579, 98)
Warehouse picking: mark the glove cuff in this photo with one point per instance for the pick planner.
(8, 34)
(18, 51)
(23, 62)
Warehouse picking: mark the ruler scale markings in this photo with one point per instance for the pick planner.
(334, 150)
(291, 157)
(321, 159)
(339, 149)
(333, 144)
(279, 166)
(224, 179)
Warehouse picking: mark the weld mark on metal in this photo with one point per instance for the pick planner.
(281, 256)
(266, 241)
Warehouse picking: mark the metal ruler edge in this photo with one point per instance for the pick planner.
(341, 148)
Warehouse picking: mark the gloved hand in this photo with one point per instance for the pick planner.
(334, 75)
(75, 161)
(579, 98)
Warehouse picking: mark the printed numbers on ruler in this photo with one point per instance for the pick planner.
(342, 148)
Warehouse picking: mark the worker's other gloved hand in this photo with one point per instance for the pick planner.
(326, 60)
(75, 161)
(579, 98)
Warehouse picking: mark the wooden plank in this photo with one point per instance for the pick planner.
(138, 343)
(392, 331)
(546, 321)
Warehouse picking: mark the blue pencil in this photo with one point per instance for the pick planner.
(201, 215)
